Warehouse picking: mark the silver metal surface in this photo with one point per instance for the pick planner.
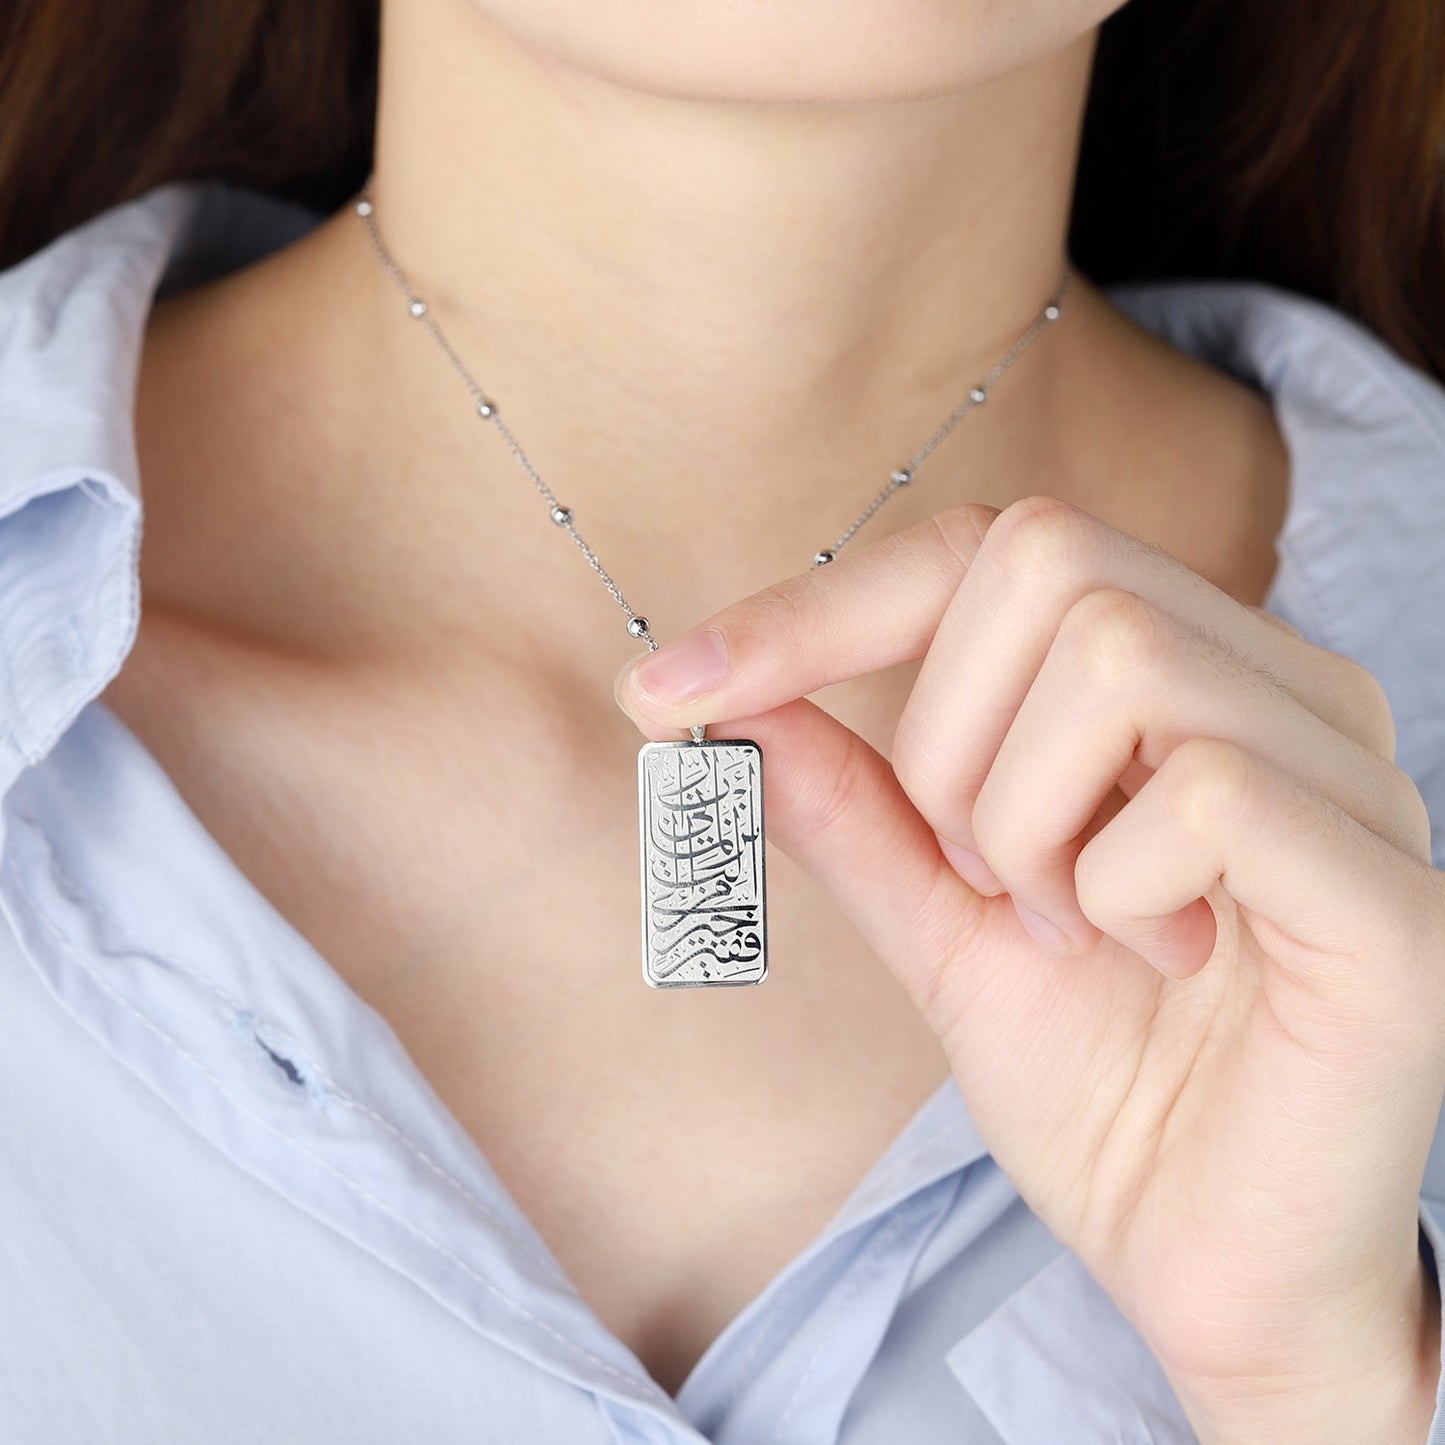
(704, 885)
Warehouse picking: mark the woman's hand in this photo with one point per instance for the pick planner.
(1144, 862)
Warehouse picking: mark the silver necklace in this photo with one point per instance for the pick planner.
(704, 885)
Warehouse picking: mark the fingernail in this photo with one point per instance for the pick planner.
(684, 669)
(1042, 931)
(970, 867)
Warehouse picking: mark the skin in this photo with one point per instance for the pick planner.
(754, 253)
(1190, 1008)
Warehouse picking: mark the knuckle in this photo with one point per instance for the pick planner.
(1370, 706)
(908, 770)
(779, 603)
(921, 776)
(779, 618)
(961, 530)
(1114, 636)
(1092, 885)
(1212, 784)
(997, 838)
(1410, 808)
(1041, 538)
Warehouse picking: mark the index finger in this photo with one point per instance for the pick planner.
(1021, 570)
(872, 608)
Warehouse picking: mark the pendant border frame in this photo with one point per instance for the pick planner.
(671, 744)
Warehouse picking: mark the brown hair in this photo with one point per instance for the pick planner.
(1301, 146)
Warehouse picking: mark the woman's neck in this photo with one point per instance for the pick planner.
(775, 282)
(715, 327)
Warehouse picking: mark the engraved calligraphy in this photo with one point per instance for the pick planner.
(704, 919)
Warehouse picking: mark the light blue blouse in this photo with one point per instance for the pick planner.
(232, 1209)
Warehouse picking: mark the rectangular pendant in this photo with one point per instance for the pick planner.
(704, 898)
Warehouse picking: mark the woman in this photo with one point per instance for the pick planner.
(1092, 1089)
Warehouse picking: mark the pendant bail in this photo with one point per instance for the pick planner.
(699, 732)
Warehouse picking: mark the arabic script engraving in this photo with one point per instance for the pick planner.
(702, 863)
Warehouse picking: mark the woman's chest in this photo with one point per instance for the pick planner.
(473, 878)
(675, 1151)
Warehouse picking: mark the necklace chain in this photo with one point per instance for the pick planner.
(638, 625)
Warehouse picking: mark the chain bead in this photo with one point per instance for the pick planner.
(561, 515)
(417, 309)
(485, 408)
(363, 208)
(821, 559)
(978, 396)
(1051, 313)
(902, 477)
(638, 626)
